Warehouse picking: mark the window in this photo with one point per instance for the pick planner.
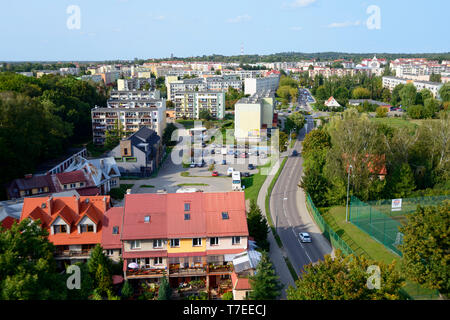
(196, 242)
(115, 230)
(157, 243)
(147, 262)
(157, 260)
(225, 216)
(81, 184)
(65, 186)
(236, 240)
(147, 219)
(109, 252)
(136, 244)
(174, 243)
(73, 185)
(187, 216)
(60, 229)
(125, 151)
(187, 207)
(86, 228)
(214, 241)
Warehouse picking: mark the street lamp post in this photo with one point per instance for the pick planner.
(348, 188)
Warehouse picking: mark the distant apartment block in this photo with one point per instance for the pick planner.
(392, 82)
(255, 85)
(189, 104)
(136, 84)
(127, 95)
(253, 115)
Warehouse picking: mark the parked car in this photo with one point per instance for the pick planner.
(192, 165)
(224, 162)
(213, 151)
(215, 174)
(251, 167)
(246, 174)
(294, 153)
(230, 152)
(304, 237)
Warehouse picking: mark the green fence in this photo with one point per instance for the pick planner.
(382, 219)
(327, 231)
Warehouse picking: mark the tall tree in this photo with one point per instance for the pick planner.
(265, 284)
(408, 95)
(346, 278)
(164, 292)
(257, 226)
(425, 248)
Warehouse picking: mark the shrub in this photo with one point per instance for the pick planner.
(227, 296)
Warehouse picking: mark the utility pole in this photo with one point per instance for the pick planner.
(348, 188)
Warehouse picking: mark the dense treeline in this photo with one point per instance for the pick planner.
(40, 118)
(387, 162)
(32, 66)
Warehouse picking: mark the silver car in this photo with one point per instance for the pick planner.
(304, 237)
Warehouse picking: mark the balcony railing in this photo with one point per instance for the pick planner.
(193, 270)
(212, 268)
(73, 253)
(146, 272)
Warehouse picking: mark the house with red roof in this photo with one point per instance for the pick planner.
(74, 224)
(186, 236)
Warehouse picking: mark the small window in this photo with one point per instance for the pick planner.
(115, 230)
(174, 243)
(136, 244)
(157, 243)
(187, 216)
(214, 241)
(59, 229)
(147, 219)
(187, 207)
(225, 216)
(125, 151)
(196, 242)
(236, 240)
(158, 260)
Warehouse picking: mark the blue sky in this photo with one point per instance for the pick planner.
(125, 29)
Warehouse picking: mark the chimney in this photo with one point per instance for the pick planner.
(102, 163)
(77, 204)
(105, 205)
(49, 205)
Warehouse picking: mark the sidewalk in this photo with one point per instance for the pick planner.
(276, 254)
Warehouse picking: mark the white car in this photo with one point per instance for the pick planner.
(304, 237)
(230, 172)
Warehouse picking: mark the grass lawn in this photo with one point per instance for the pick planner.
(187, 124)
(254, 183)
(397, 123)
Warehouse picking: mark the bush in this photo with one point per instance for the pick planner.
(227, 296)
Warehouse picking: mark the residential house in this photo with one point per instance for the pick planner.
(140, 154)
(332, 103)
(186, 236)
(244, 265)
(74, 223)
(112, 224)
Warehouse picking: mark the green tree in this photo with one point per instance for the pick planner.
(164, 292)
(205, 115)
(425, 247)
(265, 284)
(346, 278)
(127, 290)
(296, 121)
(381, 112)
(431, 106)
(227, 296)
(444, 92)
(86, 285)
(401, 183)
(283, 141)
(361, 93)
(257, 226)
(113, 136)
(426, 94)
(396, 99)
(408, 95)
(435, 77)
(316, 140)
(314, 183)
(27, 267)
(103, 279)
(168, 133)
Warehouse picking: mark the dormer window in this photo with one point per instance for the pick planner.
(225, 216)
(86, 228)
(147, 219)
(59, 229)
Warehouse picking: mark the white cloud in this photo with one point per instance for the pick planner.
(239, 19)
(160, 18)
(301, 3)
(296, 28)
(345, 24)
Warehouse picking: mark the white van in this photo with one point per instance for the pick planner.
(236, 184)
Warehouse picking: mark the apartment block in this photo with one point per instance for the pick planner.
(212, 83)
(255, 85)
(392, 82)
(134, 95)
(129, 115)
(136, 84)
(185, 236)
(189, 104)
(253, 115)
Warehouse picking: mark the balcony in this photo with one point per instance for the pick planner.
(72, 253)
(219, 269)
(198, 269)
(146, 273)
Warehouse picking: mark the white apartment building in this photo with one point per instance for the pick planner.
(189, 104)
(135, 95)
(253, 86)
(392, 82)
(135, 84)
(131, 114)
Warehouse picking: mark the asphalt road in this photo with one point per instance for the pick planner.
(290, 215)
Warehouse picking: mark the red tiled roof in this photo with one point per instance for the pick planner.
(70, 209)
(8, 222)
(71, 177)
(240, 283)
(112, 217)
(166, 213)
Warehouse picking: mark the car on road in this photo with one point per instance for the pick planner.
(213, 151)
(215, 174)
(295, 153)
(251, 167)
(192, 165)
(304, 237)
